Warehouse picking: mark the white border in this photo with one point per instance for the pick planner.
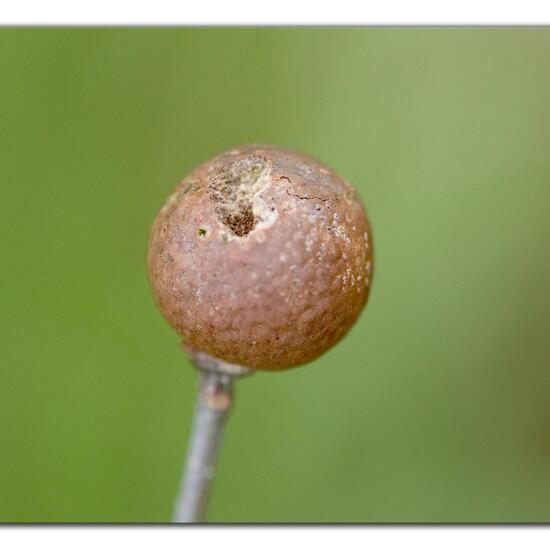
(267, 538)
(288, 12)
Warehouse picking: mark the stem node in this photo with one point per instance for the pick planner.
(214, 402)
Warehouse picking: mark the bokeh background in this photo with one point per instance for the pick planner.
(433, 409)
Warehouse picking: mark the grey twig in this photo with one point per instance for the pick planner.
(212, 409)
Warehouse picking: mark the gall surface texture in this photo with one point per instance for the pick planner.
(261, 257)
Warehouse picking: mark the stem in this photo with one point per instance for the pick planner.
(212, 409)
(211, 412)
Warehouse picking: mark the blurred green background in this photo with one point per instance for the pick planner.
(433, 409)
